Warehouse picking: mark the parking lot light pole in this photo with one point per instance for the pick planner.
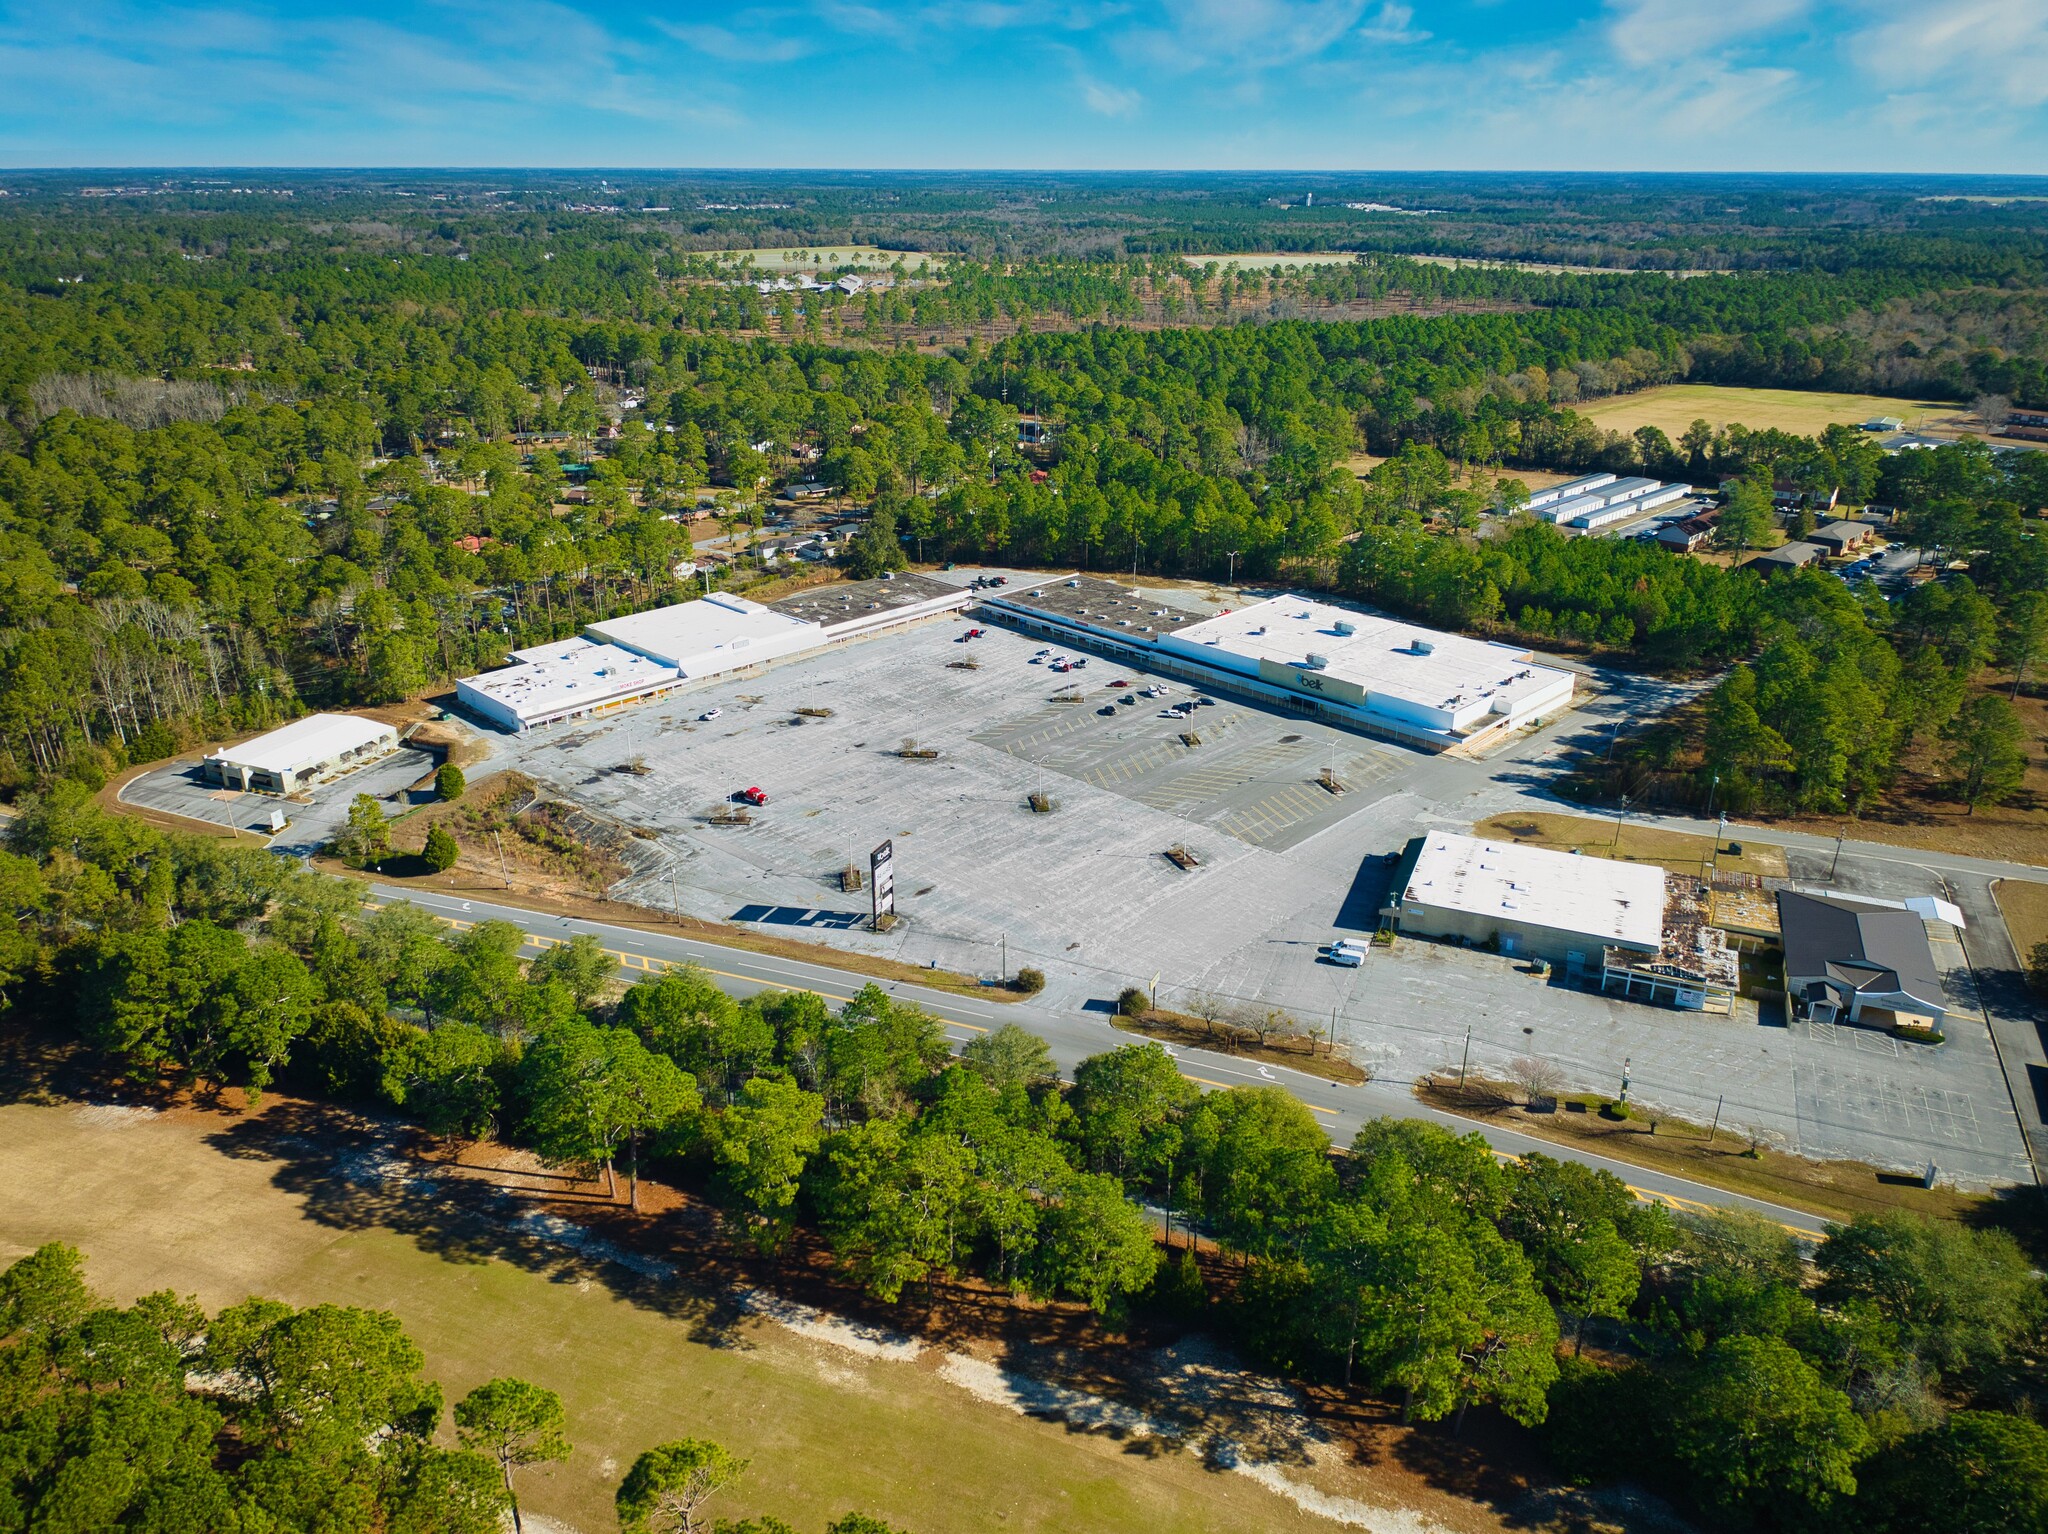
(1625, 1063)
(1230, 579)
(1467, 1060)
(1006, 958)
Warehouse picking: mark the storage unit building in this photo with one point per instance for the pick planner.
(302, 753)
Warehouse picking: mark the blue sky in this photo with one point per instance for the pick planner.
(1911, 85)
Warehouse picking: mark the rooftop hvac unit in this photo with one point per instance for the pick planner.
(1316, 662)
(1421, 647)
(1346, 628)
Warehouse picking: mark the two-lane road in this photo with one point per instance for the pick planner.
(1072, 1037)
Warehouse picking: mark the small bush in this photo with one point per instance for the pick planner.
(1029, 981)
(1133, 1002)
(1616, 1110)
(441, 850)
(449, 782)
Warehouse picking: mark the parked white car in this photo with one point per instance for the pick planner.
(709, 714)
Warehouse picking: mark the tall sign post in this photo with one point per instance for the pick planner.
(882, 882)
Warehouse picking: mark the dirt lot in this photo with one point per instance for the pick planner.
(650, 1332)
(1674, 407)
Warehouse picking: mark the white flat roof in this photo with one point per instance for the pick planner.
(1608, 901)
(1378, 654)
(306, 743)
(572, 674)
(702, 636)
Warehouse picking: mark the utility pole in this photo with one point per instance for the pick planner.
(499, 838)
(1715, 1128)
(1619, 816)
(675, 894)
(1712, 789)
(1625, 1062)
(1837, 863)
(1006, 958)
(1467, 1060)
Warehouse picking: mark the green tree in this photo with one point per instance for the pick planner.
(1746, 517)
(449, 783)
(441, 850)
(447, 1078)
(1094, 1244)
(1129, 1105)
(582, 964)
(329, 1375)
(514, 1424)
(44, 1293)
(1761, 1432)
(1010, 1056)
(665, 1491)
(1987, 751)
(1263, 1167)
(1959, 1297)
(760, 1147)
(592, 1091)
(891, 1203)
(365, 840)
(1977, 1473)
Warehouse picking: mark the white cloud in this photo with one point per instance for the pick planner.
(1667, 31)
(1393, 24)
(1996, 48)
(1109, 100)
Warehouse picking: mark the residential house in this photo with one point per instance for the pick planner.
(1840, 538)
(1789, 556)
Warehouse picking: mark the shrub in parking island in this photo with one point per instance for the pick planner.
(1029, 981)
(1133, 1002)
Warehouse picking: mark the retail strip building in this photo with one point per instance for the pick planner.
(1371, 673)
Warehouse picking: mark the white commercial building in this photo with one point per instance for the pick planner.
(299, 754)
(714, 634)
(1431, 687)
(642, 655)
(1361, 670)
(1528, 901)
(549, 683)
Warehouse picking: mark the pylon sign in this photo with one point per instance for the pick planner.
(882, 880)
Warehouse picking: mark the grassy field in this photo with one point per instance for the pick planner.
(1674, 407)
(296, 1203)
(2025, 908)
(1675, 850)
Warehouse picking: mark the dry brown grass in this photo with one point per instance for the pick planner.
(1678, 851)
(2025, 909)
(1674, 407)
(310, 1204)
(1834, 1190)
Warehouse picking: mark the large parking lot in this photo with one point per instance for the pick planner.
(1282, 866)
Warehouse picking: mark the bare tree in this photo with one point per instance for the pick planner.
(1538, 1078)
(1992, 409)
